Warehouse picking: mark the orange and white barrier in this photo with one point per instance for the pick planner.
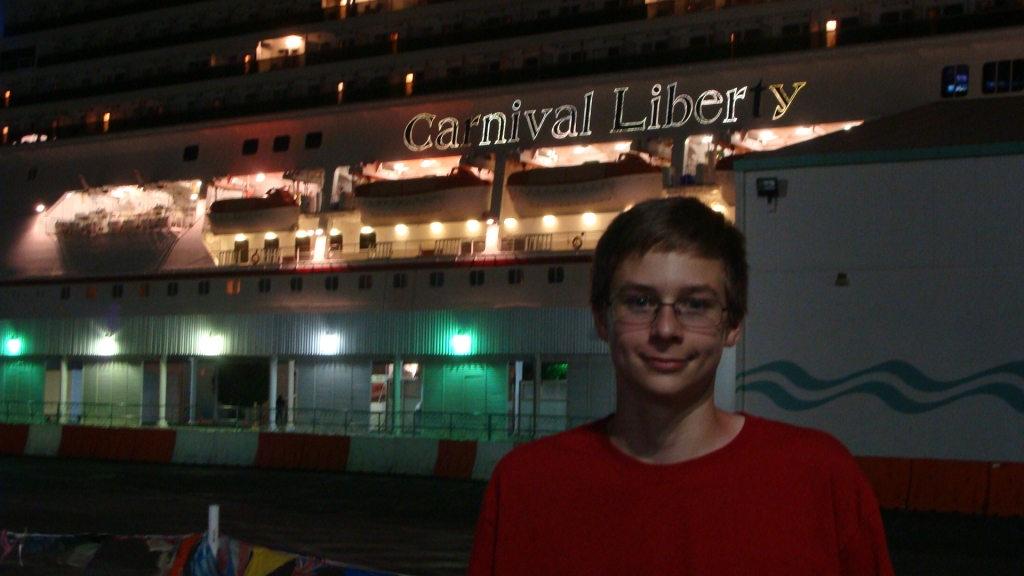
(900, 483)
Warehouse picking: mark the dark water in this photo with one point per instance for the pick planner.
(416, 526)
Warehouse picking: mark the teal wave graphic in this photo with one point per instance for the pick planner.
(908, 374)
(1012, 394)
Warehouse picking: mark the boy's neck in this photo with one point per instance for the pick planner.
(664, 434)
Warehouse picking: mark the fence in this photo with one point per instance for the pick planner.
(413, 423)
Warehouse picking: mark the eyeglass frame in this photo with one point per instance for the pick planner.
(677, 314)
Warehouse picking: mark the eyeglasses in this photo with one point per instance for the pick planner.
(696, 313)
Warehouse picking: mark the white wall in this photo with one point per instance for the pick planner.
(932, 251)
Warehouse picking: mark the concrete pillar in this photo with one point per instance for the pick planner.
(397, 388)
(498, 186)
(291, 395)
(192, 391)
(678, 158)
(272, 404)
(65, 390)
(162, 422)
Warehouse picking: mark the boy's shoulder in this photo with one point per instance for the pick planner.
(569, 447)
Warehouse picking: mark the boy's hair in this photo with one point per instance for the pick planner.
(672, 225)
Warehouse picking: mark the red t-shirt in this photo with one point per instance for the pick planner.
(777, 500)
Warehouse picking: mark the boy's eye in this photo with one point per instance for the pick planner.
(696, 305)
(638, 302)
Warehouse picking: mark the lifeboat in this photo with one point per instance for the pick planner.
(275, 211)
(590, 187)
(461, 195)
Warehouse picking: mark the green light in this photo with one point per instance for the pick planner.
(14, 346)
(462, 344)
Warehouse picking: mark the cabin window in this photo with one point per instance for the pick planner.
(264, 285)
(117, 291)
(515, 276)
(955, 80)
(295, 284)
(65, 292)
(1002, 76)
(476, 277)
(314, 140)
(191, 153)
(331, 283)
(401, 280)
(234, 286)
(281, 143)
(556, 275)
(204, 287)
(250, 146)
(143, 290)
(365, 281)
(32, 173)
(172, 288)
(436, 279)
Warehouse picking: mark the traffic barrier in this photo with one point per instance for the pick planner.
(79, 442)
(1006, 489)
(277, 450)
(43, 440)
(487, 456)
(414, 456)
(154, 445)
(115, 443)
(948, 486)
(455, 459)
(235, 448)
(371, 454)
(13, 438)
(890, 479)
(325, 452)
(192, 446)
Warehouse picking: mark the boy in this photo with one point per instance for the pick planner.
(669, 484)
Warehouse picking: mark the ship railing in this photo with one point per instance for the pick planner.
(257, 416)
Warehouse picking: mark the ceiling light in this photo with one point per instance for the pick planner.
(472, 225)
(293, 42)
(261, 177)
(436, 227)
(622, 146)
(589, 218)
(803, 131)
(510, 223)
(548, 220)
(366, 230)
(401, 229)
(707, 139)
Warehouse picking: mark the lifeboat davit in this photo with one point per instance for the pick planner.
(590, 187)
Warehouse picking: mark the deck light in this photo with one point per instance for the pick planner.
(436, 227)
(319, 231)
(589, 218)
(40, 208)
(13, 346)
(580, 150)
(462, 344)
(707, 139)
(107, 346)
(239, 237)
(366, 230)
(261, 177)
(270, 236)
(300, 234)
(106, 117)
(622, 146)
(428, 163)
(194, 197)
(401, 229)
(848, 126)
(211, 345)
(335, 232)
(511, 223)
(293, 42)
(309, 232)
(472, 225)
(548, 220)
(804, 130)
(718, 208)
(830, 26)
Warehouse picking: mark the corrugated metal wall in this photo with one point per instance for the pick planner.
(498, 332)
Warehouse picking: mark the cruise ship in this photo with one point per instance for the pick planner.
(377, 217)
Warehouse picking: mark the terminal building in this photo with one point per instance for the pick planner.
(377, 217)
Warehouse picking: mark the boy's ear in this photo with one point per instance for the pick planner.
(600, 323)
(732, 336)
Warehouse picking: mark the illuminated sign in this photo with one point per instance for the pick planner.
(668, 109)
